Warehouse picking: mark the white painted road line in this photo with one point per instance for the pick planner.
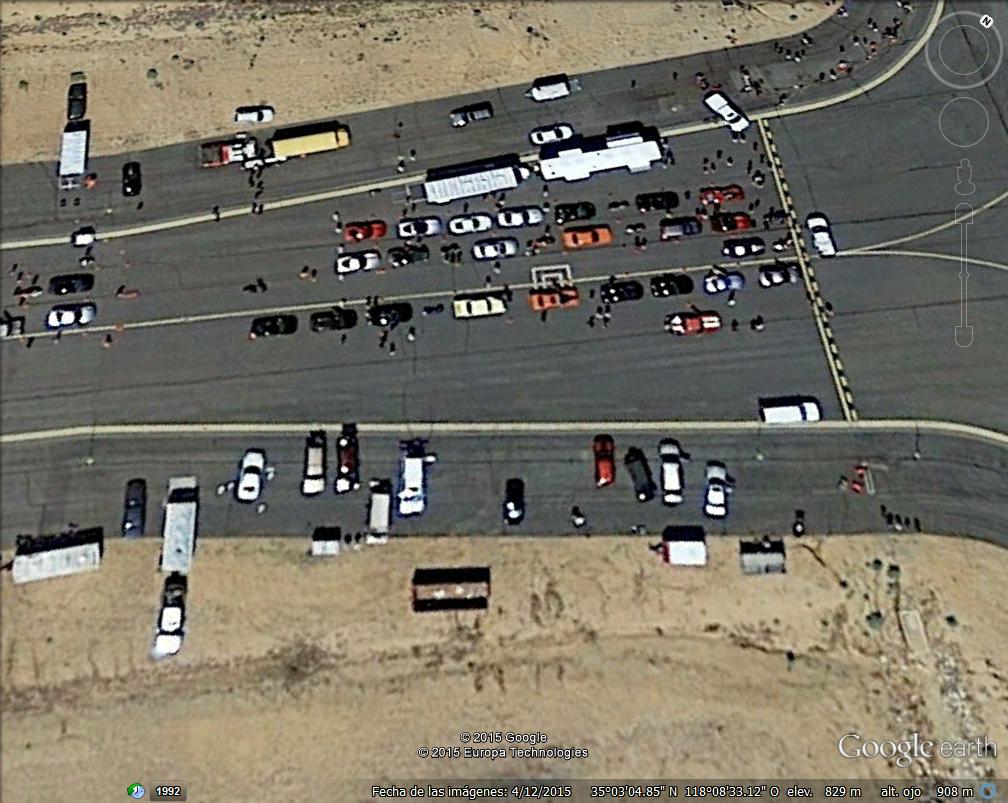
(506, 428)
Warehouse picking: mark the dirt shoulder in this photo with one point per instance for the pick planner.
(164, 72)
(299, 672)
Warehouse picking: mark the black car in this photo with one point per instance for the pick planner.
(77, 101)
(269, 325)
(671, 284)
(408, 255)
(514, 501)
(333, 319)
(131, 182)
(135, 508)
(640, 472)
(564, 213)
(656, 201)
(613, 292)
(468, 114)
(672, 228)
(71, 283)
(389, 315)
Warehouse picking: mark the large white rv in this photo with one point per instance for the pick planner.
(634, 148)
(180, 522)
(467, 180)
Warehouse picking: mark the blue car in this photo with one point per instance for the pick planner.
(719, 281)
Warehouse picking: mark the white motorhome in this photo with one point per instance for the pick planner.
(469, 179)
(789, 410)
(73, 154)
(634, 148)
(380, 507)
(180, 522)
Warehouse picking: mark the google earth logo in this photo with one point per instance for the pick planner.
(135, 791)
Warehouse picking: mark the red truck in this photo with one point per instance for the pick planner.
(236, 150)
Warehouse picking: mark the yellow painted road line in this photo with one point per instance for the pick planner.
(401, 428)
(528, 158)
(830, 348)
(359, 302)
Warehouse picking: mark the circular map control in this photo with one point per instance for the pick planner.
(964, 53)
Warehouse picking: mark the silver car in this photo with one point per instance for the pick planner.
(470, 224)
(495, 248)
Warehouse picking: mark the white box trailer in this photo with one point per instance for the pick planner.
(180, 523)
(73, 155)
(469, 179)
(579, 157)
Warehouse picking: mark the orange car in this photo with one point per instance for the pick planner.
(554, 298)
(587, 237)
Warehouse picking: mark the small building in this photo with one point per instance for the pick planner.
(762, 557)
(684, 546)
(47, 556)
(326, 541)
(451, 589)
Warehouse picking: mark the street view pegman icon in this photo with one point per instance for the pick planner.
(135, 791)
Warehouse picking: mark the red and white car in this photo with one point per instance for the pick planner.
(694, 322)
(364, 230)
(605, 460)
(731, 221)
(719, 195)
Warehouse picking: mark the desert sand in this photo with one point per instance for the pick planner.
(165, 72)
(299, 674)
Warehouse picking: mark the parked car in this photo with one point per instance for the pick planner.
(568, 213)
(132, 182)
(172, 616)
(719, 281)
(822, 234)
(273, 325)
(470, 224)
(254, 114)
(313, 480)
(671, 284)
(11, 326)
(135, 508)
(519, 216)
(731, 221)
(587, 237)
(741, 247)
(673, 228)
(551, 87)
(364, 230)
(725, 108)
(544, 299)
(389, 315)
(77, 101)
(550, 133)
(359, 260)
(615, 292)
(716, 493)
(672, 474)
(479, 305)
(409, 228)
(720, 195)
(656, 201)
(400, 256)
(464, 115)
(695, 322)
(604, 450)
(495, 248)
(347, 460)
(71, 283)
(64, 316)
(640, 473)
(334, 319)
(83, 237)
(514, 501)
(778, 274)
(251, 476)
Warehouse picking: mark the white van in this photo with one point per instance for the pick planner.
(552, 87)
(789, 410)
(479, 305)
(672, 457)
(380, 507)
(314, 480)
(412, 494)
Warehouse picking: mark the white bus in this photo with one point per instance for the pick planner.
(632, 147)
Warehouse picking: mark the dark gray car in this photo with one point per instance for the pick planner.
(71, 283)
(135, 508)
(640, 472)
(77, 101)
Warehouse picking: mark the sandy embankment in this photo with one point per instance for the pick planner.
(163, 72)
(298, 673)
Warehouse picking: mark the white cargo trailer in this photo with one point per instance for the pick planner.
(180, 522)
(467, 180)
(73, 155)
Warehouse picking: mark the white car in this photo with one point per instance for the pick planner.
(495, 248)
(716, 495)
(741, 247)
(313, 481)
(411, 227)
(83, 237)
(412, 493)
(63, 316)
(479, 305)
(360, 260)
(251, 471)
(253, 114)
(520, 216)
(470, 224)
(672, 479)
(725, 108)
(822, 235)
(774, 275)
(550, 133)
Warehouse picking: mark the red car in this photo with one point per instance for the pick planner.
(731, 221)
(718, 195)
(605, 460)
(695, 322)
(366, 230)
